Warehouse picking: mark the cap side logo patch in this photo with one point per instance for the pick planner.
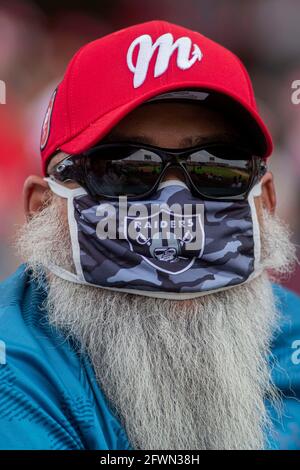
(166, 47)
(47, 121)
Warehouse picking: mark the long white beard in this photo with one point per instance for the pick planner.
(179, 374)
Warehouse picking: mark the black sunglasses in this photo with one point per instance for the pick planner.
(212, 171)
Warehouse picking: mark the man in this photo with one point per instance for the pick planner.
(153, 329)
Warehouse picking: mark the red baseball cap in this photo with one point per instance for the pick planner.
(111, 76)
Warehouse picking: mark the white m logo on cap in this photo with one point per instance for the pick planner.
(166, 46)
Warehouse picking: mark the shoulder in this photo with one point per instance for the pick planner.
(21, 316)
(286, 341)
(16, 305)
(287, 301)
(49, 397)
(39, 373)
(288, 307)
(285, 368)
(11, 288)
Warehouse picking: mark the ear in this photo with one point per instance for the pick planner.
(36, 194)
(268, 192)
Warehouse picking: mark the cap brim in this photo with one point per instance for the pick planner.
(98, 129)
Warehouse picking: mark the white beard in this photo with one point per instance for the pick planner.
(178, 374)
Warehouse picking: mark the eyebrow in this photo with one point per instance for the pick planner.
(190, 141)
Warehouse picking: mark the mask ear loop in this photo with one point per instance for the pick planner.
(69, 194)
(63, 191)
(256, 191)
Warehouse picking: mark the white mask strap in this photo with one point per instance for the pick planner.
(69, 194)
(256, 191)
(63, 191)
(67, 275)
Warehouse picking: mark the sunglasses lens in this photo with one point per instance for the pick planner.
(217, 171)
(221, 171)
(117, 171)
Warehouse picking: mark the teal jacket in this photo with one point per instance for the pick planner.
(49, 397)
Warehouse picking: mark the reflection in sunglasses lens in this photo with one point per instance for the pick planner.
(215, 171)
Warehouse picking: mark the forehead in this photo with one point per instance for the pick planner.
(173, 116)
(175, 123)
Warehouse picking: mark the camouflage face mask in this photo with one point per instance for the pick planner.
(173, 246)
